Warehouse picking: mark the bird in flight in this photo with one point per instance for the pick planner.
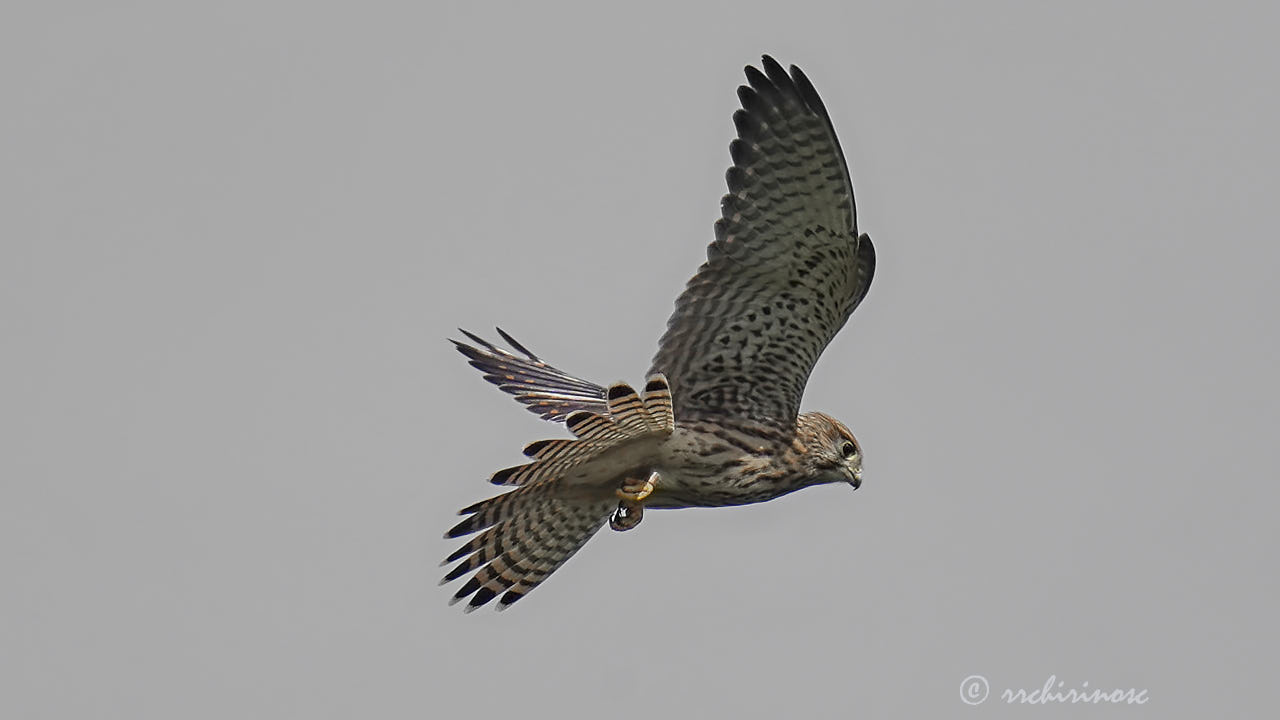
(718, 420)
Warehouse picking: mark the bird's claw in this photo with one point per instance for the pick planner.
(635, 490)
(631, 495)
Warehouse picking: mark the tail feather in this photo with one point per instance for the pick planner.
(590, 426)
(628, 419)
(626, 407)
(657, 402)
(560, 449)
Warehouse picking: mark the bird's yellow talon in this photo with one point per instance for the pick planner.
(639, 493)
(636, 490)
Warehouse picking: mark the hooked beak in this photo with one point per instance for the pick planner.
(856, 479)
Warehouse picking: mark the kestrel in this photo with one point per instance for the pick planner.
(717, 422)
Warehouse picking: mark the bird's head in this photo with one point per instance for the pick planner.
(832, 453)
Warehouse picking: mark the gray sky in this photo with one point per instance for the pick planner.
(235, 239)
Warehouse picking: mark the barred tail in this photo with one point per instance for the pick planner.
(629, 416)
(526, 534)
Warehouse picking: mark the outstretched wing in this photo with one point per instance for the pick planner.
(552, 394)
(530, 533)
(787, 267)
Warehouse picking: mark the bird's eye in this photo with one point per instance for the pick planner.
(848, 449)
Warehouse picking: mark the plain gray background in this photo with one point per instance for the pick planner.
(235, 239)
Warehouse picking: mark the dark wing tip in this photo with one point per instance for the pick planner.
(517, 346)
(748, 128)
(471, 586)
(462, 528)
(456, 573)
(543, 389)
(807, 93)
(508, 599)
(758, 80)
(458, 554)
(867, 250)
(777, 76)
(482, 596)
(749, 98)
(797, 85)
(477, 340)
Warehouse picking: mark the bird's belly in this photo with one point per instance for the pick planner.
(703, 469)
(680, 490)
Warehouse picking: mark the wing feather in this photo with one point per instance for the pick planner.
(547, 391)
(786, 270)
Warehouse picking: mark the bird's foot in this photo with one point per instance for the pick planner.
(634, 490)
(631, 495)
